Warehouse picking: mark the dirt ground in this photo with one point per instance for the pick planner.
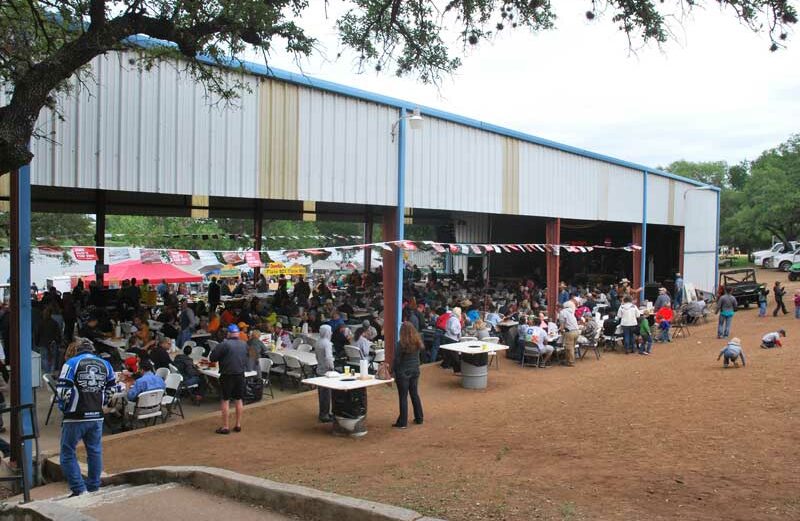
(670, 436)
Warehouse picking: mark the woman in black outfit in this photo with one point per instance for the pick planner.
(406, 373)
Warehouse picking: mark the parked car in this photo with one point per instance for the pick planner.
(794, 271)
(743, 285)
(784, 261)
(762, 257)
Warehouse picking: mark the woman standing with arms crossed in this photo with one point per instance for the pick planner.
(406, 373)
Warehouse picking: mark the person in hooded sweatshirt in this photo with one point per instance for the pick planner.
(324, 352)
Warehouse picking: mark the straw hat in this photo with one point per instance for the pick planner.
(624, 281)
(735, 341)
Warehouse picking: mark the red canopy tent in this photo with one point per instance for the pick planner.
(154, 272)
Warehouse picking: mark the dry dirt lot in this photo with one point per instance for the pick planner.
(670, 436)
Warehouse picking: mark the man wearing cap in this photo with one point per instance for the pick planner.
(661, 300)
(232, 357)
(570, 330)
(85, 385)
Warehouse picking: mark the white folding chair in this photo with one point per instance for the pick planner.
(493, 354)
(294, 369)
(211, 345)
(197, 353)
(468, 339)
(278, 365)
(147, 406)
(189, 343)
(163, 372)
(306, 348)
(172, 395)
(353, 355)
(265, 364)
(296, 342)
(380, 356)
(173, 369)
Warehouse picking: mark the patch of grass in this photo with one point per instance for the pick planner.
(505, 449)
(567, 510)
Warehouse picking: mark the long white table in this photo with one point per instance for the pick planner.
(213, 372)
(305, 357)
(352, 390)
(474, 376)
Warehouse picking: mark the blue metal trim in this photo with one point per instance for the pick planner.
(24, 303)
(344, 90)
(716, 251)
(401, 213)
(643, 260)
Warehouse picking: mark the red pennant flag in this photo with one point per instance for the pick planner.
(476, 249)
(180, 257)
(438, 247)
(231, 257)
(454, 248)
(506, 248)
(408, 245)
(84, 254)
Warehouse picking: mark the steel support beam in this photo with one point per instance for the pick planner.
(553, 236)
(20, 327)
(100, 236)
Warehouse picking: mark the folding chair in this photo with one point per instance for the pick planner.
(147, 406)
(380, 356)
(278, 365)
(531, 352)
(306, 348)
(592, 343)
(679, 327)
(353, 356)
(50, 385)
(493, 354)
(196, 354)
(265, 364)
(294, 369)
(163, 372)
(172, 396)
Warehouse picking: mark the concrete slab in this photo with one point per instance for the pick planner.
(181, 503)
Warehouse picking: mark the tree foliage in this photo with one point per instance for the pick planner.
(770, 199)
(53, 228)
(44, 43)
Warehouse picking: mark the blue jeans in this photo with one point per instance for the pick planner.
(797, 312)
(664, 332)
(762, 309)
(437, 340)
(91, 432)
(183, 336)
(629, 338)
(195, 380)
(647, 344)
(724, 326)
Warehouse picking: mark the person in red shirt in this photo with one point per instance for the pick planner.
(664, 317)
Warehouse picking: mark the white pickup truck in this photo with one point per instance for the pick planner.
(784, 261)
(762, 257)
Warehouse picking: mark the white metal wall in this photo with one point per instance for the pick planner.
(558, 184)
(453, 167)
(658, 199)
(149, 131)
(470, 229)
(346, 152)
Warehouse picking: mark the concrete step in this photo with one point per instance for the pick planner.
(112, 494)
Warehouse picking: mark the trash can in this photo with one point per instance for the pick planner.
(474, 371)
(350, 412)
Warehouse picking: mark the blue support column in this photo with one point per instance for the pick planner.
(20, 349)
(716, 249)
(401, 217)
(644, 236)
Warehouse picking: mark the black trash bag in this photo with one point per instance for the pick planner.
(350, 404)
(253, 389)
(477, 360)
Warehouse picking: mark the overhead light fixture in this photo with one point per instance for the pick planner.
(414, 121)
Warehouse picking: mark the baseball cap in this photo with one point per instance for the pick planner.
(233, 328)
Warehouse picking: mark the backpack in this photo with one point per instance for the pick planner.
(441, 322)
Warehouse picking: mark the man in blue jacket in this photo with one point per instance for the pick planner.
(85, 385)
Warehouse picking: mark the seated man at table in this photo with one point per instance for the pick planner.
(255, 342)
(538, 336)
(191, 375)
(370, 333)
(147, 382)
(159, 354)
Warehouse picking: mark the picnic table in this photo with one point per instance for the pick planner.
(474, 361)
(349, 401)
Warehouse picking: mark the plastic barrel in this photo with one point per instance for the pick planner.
(474, 377)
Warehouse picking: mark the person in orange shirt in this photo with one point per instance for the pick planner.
(664, 317)
(214, 323)
(227, 317)
(243, 336)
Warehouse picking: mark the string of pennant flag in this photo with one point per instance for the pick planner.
(201, 236)
(253, 257)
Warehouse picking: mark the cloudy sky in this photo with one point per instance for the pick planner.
(715, 92)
